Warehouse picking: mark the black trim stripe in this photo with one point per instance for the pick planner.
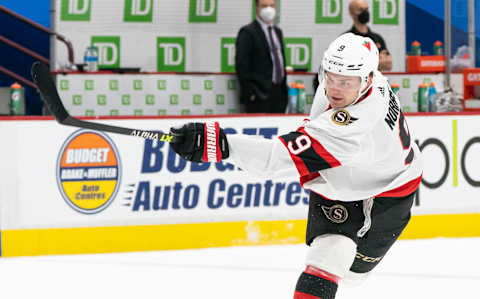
(316, 286)
(312, 160)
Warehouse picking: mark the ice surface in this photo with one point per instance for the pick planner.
(436, 268)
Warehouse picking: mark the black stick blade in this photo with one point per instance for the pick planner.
(45, 85)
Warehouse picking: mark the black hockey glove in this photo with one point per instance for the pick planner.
(200, 142)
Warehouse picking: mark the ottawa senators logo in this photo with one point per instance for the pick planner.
(343, 118)
(336, 213)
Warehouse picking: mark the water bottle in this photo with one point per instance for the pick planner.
(432, 91)
(16, 99)
(292, 98)
(86, 59)
(438, 48)
(91, 59)
(94, 59)
(416, 49)
(422, 98)
(395, 88)
(300, 107)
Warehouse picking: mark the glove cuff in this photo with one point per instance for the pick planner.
(211, 150)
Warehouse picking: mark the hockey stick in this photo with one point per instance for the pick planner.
(49, 94)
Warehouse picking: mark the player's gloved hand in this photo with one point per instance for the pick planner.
(200, 142)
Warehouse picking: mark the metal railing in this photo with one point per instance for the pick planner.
(28, 51)
(42, 28)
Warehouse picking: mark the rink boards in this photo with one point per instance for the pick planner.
(65, 190)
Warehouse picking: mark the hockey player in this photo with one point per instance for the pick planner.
(354, 153)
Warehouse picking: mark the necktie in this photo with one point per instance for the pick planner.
(277, 71)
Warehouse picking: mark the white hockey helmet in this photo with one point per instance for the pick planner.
(351, 55)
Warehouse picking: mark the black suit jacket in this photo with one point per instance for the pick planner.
(253, 62)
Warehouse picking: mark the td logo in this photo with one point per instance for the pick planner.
(298, 52)
(75, 10)
(329, 11)
(171, 54)
(203, 11)
(385, 12)
(108, 51)
(227, 60)
(138, 11)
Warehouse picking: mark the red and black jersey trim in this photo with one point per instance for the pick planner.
(309, 177)
(312, 159)
(404, 190)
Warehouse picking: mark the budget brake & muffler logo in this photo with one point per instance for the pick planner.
(88, 171)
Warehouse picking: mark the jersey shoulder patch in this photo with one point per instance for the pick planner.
(343, 118)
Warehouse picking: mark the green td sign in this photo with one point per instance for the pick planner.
(328, 11)
(101, 100)
(138, 11)
(227, 59)
(203, 11)
(385, 12)
(171, 54)
(208, 85)
(197, 99)
(64, 85)
(77, 100)
(108, 51)
(126, 100)
(185, 84)
(113, 84)
(298, 52)
(174, 99)
(220, 99)
(89, 85)
(150, 99)
(232, 84)
(75, 10)
(162, 84)
(137, 85)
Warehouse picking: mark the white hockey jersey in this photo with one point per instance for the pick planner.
(363, 150)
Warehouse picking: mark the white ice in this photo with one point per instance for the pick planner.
(436, 268)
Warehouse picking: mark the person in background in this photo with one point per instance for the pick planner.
(260, 62)
(360, 15)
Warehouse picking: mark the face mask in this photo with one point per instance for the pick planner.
(268, 14)
(364, 17)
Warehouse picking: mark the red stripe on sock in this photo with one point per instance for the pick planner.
(323, 274)
(299, 295)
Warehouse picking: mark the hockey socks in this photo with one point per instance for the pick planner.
(316, 284)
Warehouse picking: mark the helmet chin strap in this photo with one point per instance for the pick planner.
(362, 91)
